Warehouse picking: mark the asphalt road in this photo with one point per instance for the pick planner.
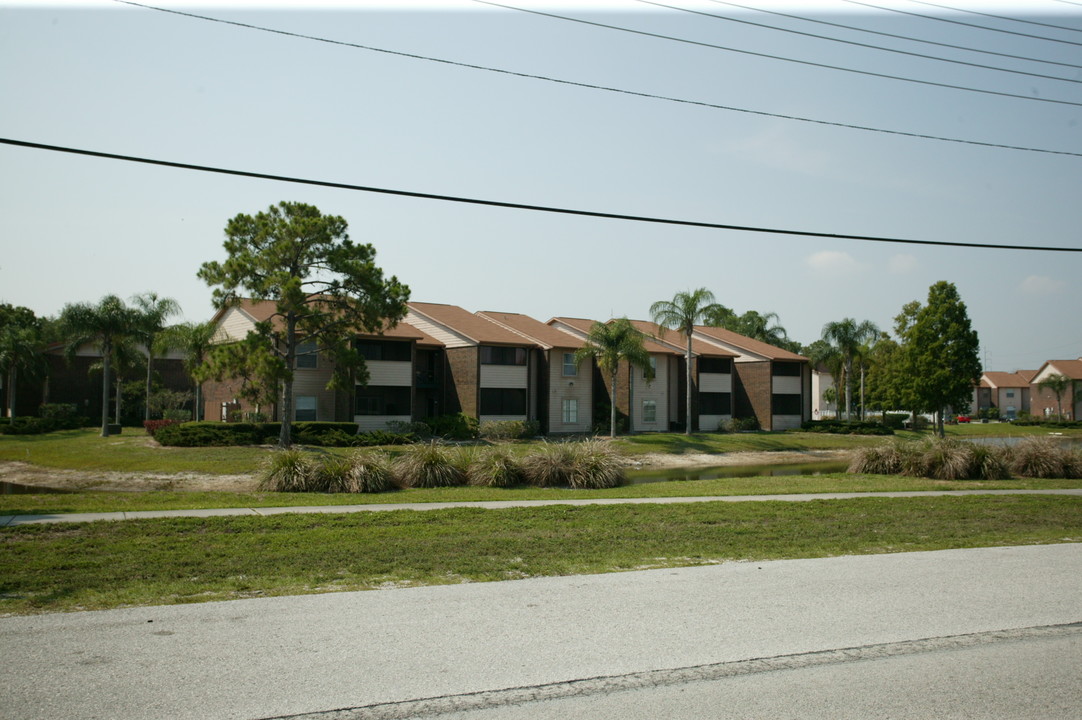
(980, 633)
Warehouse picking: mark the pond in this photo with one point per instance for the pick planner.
(9, 488)
(652, 475)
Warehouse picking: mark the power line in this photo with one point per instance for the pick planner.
(959, 22)
(997, 17)
(521, 206)
(898, 37)
(768, 56)
(603, 88)
(858, 44)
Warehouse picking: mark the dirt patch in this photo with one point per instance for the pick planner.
(779, 457)
(34, 475)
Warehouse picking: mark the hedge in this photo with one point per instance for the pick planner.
(327, 434)
(840, 427)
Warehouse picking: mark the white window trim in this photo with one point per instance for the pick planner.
(653, 405)
(573, 365)
(570, 411)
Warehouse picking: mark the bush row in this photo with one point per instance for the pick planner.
(325, 434)
(841, 427)
(51, 417)
(949, 459)
(585, 465)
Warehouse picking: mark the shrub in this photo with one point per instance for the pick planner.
(212, 434)
(290, 471)
(947, 460)
(417, 429)
(454, 427)
(602, 416)
(508, 429)
(595, 466)
(383, 437)
(326, 434)
(989, 462)
(428, 466)
(153, 426)
(739, 424)
(26, 425)
(179, 415)
(840, 427)
(64, 416)
(494, 467)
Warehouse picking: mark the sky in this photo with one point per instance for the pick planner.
(712, 125)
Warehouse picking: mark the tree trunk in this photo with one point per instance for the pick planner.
(11, 391)
(687, 364)
(862, 391)
(285, 437)
(106, 351)
(197, 411)
(119, 396)
(150, 363)
(612, 408)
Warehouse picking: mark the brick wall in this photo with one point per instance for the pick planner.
(752, 389)
(462, 380)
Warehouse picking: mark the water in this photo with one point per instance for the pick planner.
(636, 477)
(9, 488)
(1013, 440)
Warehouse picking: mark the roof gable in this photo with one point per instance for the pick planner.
(535, 331)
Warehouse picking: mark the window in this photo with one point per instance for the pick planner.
(571, 411)
(786, 404)
(1010, 393)
(649, 411)
(304, 407)
(715, 403)
(383, 400)
(715, 365)
(306, 355)
(383, 350)
(503, 401)
(653, 369)
(502, 355)
(571, 367)
(786, 369)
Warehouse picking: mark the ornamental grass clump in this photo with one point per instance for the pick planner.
(1040, 458)
(289, 471)
(989, 462)
(595, 467)
(550, 465)
(947, 460)
(877, 460)
(429, 466)
(494, 467)
(365, 471)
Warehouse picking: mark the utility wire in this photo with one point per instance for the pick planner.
(855, 43)
(752, 53)
(959, 22)
(897, 37)
(604, 88)
(521, 206)
(997, 17)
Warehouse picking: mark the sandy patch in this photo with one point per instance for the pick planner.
(779, 457)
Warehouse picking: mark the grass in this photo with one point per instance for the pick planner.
(80, 566)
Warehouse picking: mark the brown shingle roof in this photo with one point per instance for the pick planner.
(1004, 379)
(535, 330)
(261, 310)
(1027, 375)
(746, 343)
(1070, 368)
(474, 327)
(678, 341)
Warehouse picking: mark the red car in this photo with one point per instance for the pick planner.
(963, 418)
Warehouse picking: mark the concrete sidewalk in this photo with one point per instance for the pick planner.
(13, 520)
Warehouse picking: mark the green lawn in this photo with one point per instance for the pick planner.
(112, 564)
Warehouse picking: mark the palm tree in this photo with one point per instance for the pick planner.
(107, 324)
(194, 340)
(20, 350)
(608, 344)
(1059, 385)
(682, 313)
(846, 337)
(153, 312)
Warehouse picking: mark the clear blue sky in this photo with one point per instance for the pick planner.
(133, 81)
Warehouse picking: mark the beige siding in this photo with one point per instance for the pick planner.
(674, 386)
(314, 383)
(709, 423)
(787, 385)
(656, 390)
(786, 422)
(504, 376)
(715, 382)
(234, 325)
(366, 423)
(441, 332)
(567, 387)
(390, 373)
(820, 383)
